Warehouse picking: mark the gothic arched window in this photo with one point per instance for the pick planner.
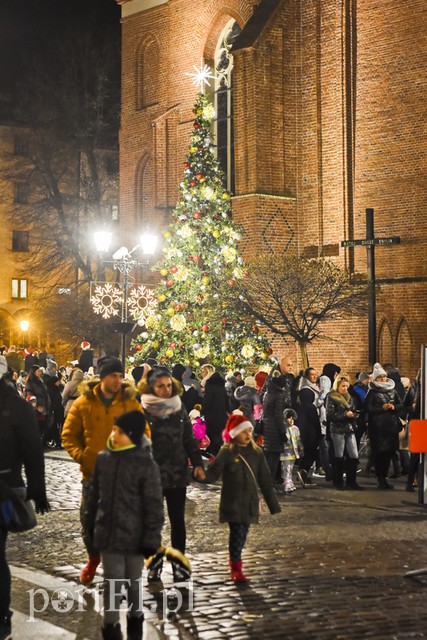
(223, 101)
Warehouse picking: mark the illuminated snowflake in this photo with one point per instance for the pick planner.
(106, 300)
(141, 302)
(201, 76)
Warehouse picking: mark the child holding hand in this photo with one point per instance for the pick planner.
(242, 466)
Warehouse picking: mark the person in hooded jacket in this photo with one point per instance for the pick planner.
(191, 396)
(53, 436)
(383, 406)
(215, 406)
(36, 387)
(71, 390)
(310, 431)
(274, 424)
(247, 398)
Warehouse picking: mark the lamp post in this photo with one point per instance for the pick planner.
(24, 324)
(124, 262)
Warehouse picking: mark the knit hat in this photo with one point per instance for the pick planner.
(109, 364)
(194, 414)
(378, 371)
(132, 424)
(3, 366)
(236, 423)
(31, 399)
(85, 345)
(250, 382)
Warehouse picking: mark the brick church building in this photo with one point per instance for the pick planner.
(321, 113)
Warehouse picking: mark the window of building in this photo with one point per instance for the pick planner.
(19, 288)
(20, 240)
(223, 100)
(21, 193)
(21, 145)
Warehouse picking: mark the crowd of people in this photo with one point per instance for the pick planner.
(141, 437)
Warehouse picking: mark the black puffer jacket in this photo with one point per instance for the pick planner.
(173, 443)
(274, 426)
(215, 405)
(20, 444)
(383, 426)
(125, 507)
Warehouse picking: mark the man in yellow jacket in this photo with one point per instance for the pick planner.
(86, 430)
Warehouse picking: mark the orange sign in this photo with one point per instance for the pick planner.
(418, 436)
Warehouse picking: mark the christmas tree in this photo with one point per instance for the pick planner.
(193, 323)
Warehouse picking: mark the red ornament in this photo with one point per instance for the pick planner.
(269, 351)
(186, 165)
(192, 183)
(199, 176)
(163, 360)
(138, 347)
(196, 125)
(231, 283)
(224, 320)
(191, 329)
(174, 269)
(165, 330)
(172, 345)
(196, 258)
(255, 329)
(197, 215)
(178, 307)
(205, 327)
(169, 283)
(199, 298)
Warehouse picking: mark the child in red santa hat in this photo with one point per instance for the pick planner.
(243, 468)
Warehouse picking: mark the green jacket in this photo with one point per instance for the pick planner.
(239, 493)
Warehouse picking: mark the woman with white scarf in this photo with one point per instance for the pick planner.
(173, 444)
(383, 406)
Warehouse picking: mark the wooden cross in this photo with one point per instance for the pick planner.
(370, 242)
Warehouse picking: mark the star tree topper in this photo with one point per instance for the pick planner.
(202, 76)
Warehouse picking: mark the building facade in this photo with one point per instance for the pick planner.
(320, 115)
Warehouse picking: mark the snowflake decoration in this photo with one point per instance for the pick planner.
(202, 75)
(106, 300)
(141, 302)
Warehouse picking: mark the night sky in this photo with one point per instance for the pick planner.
(28, 26)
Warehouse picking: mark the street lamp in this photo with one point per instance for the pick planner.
(24, 324)
(110, 296)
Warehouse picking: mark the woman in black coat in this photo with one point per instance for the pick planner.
(215, 407)
(383, 406)
(173, 443)
(274, 425)
(19, 447)
(310, 431)
(36, 387)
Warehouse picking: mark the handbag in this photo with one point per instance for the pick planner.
(261, 504)
(16, 514)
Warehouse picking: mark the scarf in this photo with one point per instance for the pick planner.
(160, 407)
(343, 399)
(388, 385)
(305, 383)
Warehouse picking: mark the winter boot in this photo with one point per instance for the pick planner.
(112, 632)
(88, 572)
(351, 475)
(236, 571)
(154, 565)
(337, 473)
(134, 627)
(383, 484)
(181, 567)
(5, 627)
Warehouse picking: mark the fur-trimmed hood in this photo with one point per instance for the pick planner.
(87, 388)
(144, 388)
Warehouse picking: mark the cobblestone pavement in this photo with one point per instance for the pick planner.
(331, 565)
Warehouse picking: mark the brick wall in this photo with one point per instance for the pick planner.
(329, 120)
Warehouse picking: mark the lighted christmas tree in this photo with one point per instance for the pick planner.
(193, 322)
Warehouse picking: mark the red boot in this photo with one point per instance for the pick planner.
(236, 571)
(88, 572)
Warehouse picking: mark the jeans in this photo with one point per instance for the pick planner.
(122, 570)
(175, 502)
(5, 579)
(345, 441)
(87, 539)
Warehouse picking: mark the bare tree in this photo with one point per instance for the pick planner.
(68, 112)
(295, 297)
